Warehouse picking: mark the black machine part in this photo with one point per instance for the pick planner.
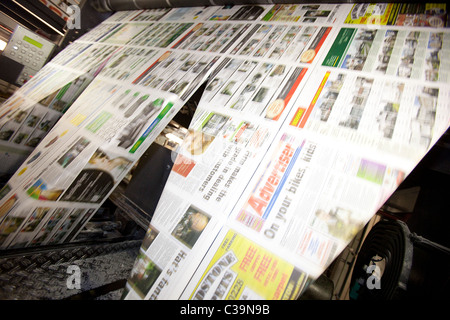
(122, 5)
(395, 264)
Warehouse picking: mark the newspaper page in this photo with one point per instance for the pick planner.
(301, 135)
(243, 270)
(241, 87)
(245, 101)
(31, 122)
(403, 53)
(345, 139)
(400, 14)
(106, 129)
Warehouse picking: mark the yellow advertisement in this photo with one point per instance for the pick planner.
(373, 13)
(243, 270)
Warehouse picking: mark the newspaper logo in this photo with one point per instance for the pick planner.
(74, 13)
(74, 280)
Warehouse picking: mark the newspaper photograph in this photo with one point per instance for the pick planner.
(38, 88)
(311, 189)
(399, 122)
(42, 221)
(171, 246)
(295, 44)
(126, 63)
(39, 225)
(254, 89)
(402, 53)
(243, 270)
(190, 13)
(238, 12)
(27, 229)
(211, 37)
(401, 14)
(97, 178)
(67, 225)
(217, 156)
(150, 15)
(309, 13)
(49, 226)
(30, 124)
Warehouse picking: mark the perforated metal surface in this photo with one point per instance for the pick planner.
(45, 274)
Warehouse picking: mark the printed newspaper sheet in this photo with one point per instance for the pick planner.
(311, 117)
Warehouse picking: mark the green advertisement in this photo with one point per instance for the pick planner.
(337, 52)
